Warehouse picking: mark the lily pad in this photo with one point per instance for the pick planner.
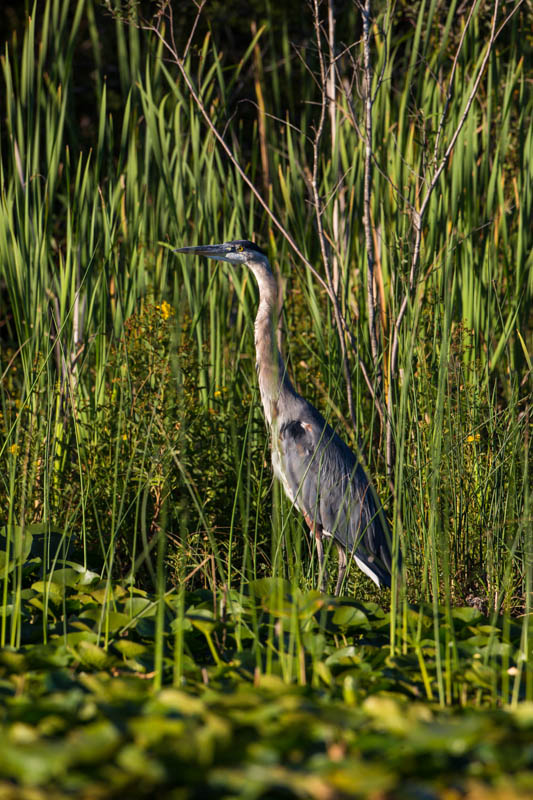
(347, 617)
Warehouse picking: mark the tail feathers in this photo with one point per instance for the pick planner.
(372, 567)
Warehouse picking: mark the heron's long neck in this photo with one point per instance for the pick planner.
(272, 374)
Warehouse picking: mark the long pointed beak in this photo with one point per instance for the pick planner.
(217, 251)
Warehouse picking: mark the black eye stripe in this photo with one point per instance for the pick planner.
(241, 245)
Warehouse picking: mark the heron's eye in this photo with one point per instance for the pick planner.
(240, 248)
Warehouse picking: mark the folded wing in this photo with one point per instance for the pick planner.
(331, 488)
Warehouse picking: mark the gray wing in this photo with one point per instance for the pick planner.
(334, 491)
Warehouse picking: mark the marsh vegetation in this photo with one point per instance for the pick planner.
(160, 625)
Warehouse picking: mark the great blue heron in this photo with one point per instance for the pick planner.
(319, 473)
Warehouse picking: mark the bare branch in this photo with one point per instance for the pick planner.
(450, 82)
(212, 127)
(372, 302)
(200, 7)
(339, 321)
(331, 90)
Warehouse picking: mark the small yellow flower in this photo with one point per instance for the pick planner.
(166, 309)
(218, 393)
(473, 438)
(14, 449)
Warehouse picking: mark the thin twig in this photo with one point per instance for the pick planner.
(318, 216)
(372, 301)
(200, 7)
(450, 83)
(212, 127)
(337, 215)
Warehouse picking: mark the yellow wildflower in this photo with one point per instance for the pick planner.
(166, 309)
(14, 449)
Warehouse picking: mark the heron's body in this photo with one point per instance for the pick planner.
(318, 471)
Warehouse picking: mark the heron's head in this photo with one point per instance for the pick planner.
(238, 252)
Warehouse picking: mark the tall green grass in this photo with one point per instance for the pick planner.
(126, 419)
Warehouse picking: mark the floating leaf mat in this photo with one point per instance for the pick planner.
(263, 695)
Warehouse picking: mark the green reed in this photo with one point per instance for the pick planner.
(114, 433)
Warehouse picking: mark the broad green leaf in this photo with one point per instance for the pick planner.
(93, 656)
(130, 649)
(15, 546)
(350, 617)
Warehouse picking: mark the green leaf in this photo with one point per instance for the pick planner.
(345, 656)
(33, 764)
(203, 619)
(481, 675)
(270, 587)
(53, 591)
(92, 743)
(15, 546)
(66, 577)
(130, 649)
(94, 656)
(466, 614)
(350, 617)
(135, 760)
